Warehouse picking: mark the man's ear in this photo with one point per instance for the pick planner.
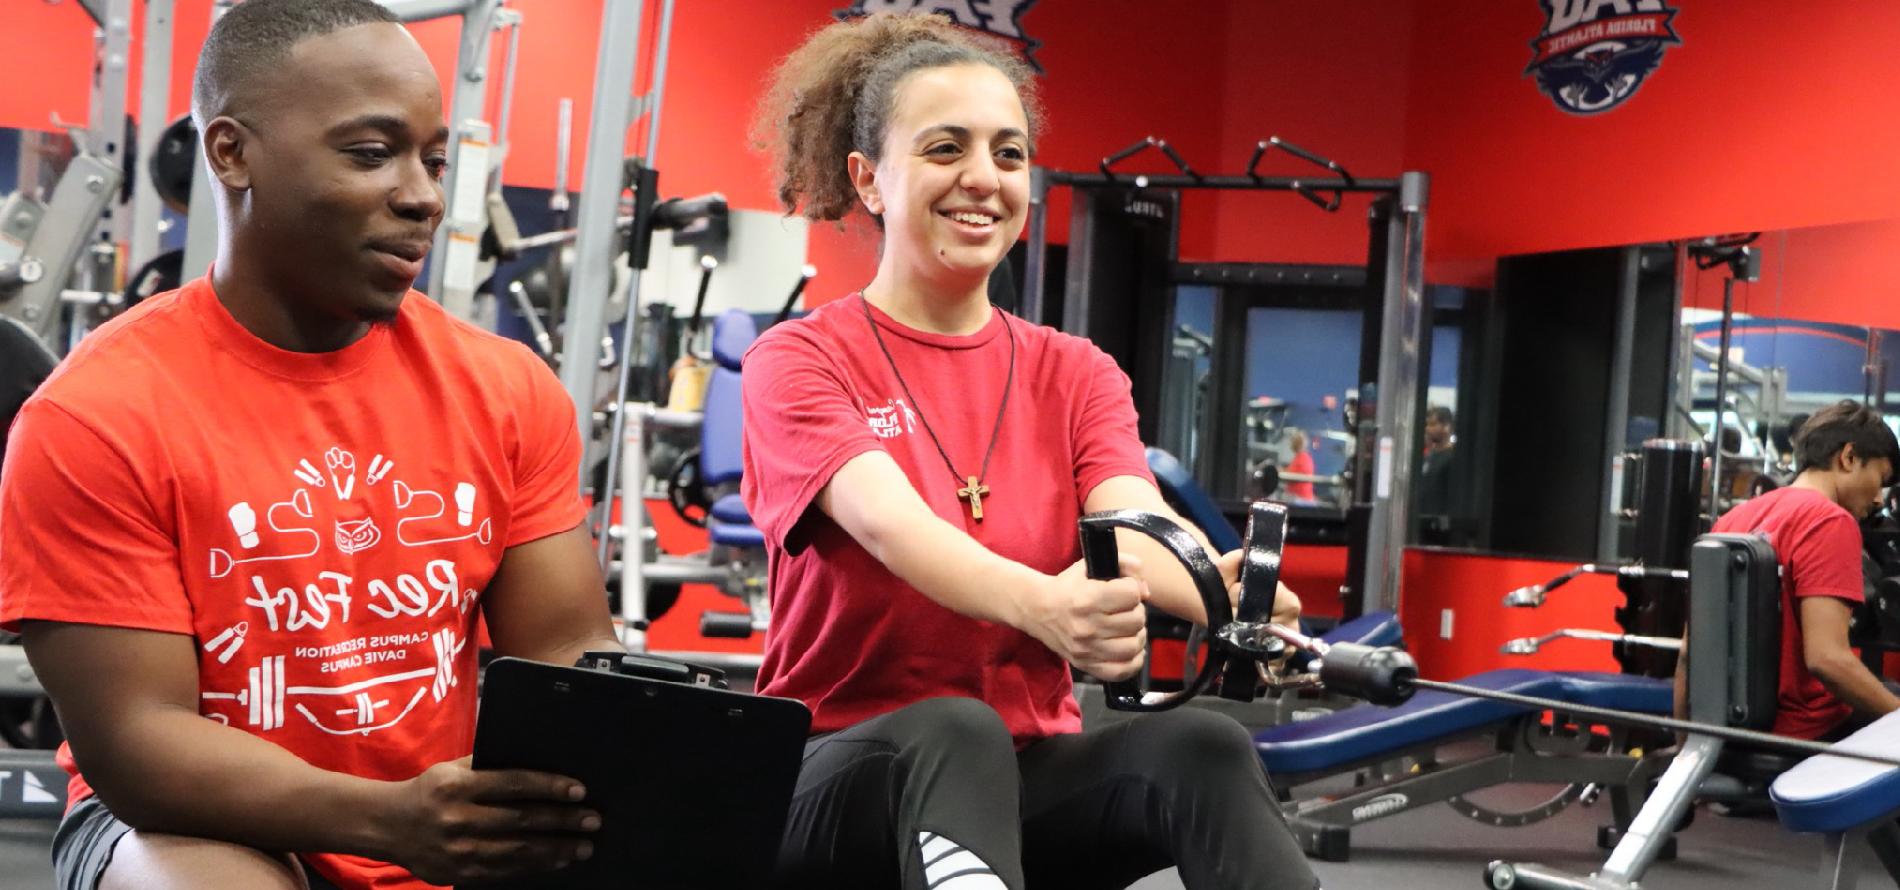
(225, 142)
(1847, 461)
(864, 179)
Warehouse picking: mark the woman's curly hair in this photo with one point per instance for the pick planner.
(833, 96)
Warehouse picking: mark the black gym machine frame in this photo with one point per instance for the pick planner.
(1386, 428)
(1734, 598)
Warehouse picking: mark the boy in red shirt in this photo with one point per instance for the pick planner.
(1846, 455)
(248, 528)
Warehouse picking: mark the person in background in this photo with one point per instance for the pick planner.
(1302, 462)
(1434, 472)
(1845, 455)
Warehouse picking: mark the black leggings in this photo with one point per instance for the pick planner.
(935, 796)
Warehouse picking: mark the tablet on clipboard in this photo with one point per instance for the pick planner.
(692, 782)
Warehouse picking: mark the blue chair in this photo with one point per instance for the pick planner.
(721, 438)
(736, 542)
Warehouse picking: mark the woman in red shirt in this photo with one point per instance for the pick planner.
(918, 460)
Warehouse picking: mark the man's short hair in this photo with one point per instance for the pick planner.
(1439, 413)
(256, 36)
(1844, 423)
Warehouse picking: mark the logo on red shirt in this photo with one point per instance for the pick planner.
(379, 681)
(891, 420)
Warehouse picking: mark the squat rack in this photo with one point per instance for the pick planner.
(1385, 440)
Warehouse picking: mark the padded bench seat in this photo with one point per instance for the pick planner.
(735, 535)
(731, 526)
(1370, 629)
(1827, 794)
(1364, 732)
(731, 510)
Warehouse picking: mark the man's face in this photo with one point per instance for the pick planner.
(1861, 485)
(1437, 431)
(346, 157)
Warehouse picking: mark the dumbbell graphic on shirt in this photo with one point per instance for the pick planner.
(358, 708)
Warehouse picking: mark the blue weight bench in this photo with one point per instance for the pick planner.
(1846, 801)
(1187, 497)
(1419, 754)
(722, 433)
(735, 540)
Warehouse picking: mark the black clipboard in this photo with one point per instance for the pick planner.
(692, 783)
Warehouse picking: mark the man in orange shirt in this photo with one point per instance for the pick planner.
(248, 528)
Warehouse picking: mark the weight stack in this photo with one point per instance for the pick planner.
(1668, 519)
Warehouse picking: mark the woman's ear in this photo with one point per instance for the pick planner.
(864, 179)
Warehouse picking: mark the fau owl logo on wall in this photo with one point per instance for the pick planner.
(1000, 18)
(1594, 54)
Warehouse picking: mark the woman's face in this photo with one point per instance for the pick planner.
(953, 186)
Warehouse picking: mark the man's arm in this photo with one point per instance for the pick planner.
(128, 701)
(1824, 621)
(1172, 587)
(1097, 626)
(547, 601)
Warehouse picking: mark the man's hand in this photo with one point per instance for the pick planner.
(1100, 627)
(453, 824)
(1286, 604)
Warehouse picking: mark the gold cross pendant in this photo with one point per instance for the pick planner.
(974, 493)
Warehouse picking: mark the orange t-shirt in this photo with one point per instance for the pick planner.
(322, 525)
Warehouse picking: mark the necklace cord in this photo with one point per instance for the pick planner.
(1008, 379)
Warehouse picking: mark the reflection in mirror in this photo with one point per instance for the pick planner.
(1781, 370)
(1442, 509)
(1301, 364)
(1260, 368)
(1184, 379)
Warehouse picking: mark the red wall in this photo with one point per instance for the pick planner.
(1473, 588)
(1329, 77)
(1769, 115)
(1841, 273)
(1117, 70)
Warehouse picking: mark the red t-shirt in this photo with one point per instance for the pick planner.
(1302, 462)
(322, 525)
(1817, 543)
(847, 637)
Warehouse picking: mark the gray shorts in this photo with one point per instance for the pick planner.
(82, 847)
